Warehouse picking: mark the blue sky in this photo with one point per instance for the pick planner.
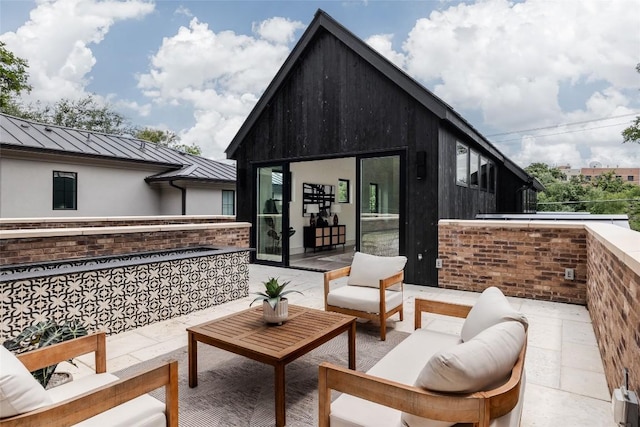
(556, 78)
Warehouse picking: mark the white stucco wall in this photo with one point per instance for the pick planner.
(325, 172)
(202, 199)
(26, 189)
(205, 200)
(170, 200)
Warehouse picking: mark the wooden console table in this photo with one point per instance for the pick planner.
(324, 237)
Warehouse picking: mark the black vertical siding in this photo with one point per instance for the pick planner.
(333, 103)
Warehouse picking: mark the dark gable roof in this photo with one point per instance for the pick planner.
(32, 136)
(445, 112)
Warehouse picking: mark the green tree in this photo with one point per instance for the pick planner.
(606, 194)
(90, 114)
(13, 78)
(610, 183)
(632, 133)
(85, 113)
(545, 174)
(166, 138)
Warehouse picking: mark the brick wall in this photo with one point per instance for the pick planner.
(522, 260)
(59, 244)
(613, 298)
(528, 260)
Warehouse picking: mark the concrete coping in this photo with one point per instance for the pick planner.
(86, 231)
(112, 218)
(622, 242)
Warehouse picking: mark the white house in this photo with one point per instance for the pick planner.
(53, 171)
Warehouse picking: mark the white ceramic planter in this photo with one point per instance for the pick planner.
(278, 315)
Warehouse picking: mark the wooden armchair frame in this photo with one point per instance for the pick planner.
(96, 401)
(382, 315)
(477, 408)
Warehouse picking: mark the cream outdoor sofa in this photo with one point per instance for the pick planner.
(97, 400)
(374, 289)
(479, 375)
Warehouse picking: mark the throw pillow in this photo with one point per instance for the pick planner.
(492, 307)
(477, 364)
(19, 391)
(368, 270)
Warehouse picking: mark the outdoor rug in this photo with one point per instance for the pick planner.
(346, 257)
(235, 391)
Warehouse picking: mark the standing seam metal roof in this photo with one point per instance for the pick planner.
(33, 136)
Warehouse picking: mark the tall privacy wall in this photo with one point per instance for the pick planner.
(528, 259)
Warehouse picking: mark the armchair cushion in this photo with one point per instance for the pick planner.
(143, 411)
(19, 390)
(491, 308)
(478, 364)
(368, 270)
(363, 299)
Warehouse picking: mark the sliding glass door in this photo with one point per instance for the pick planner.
(269, 215)
(380, 205)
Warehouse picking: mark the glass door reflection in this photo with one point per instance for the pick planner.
(269, 216)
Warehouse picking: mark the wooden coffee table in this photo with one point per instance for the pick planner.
(246, 334)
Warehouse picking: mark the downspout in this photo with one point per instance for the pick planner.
(184, 196)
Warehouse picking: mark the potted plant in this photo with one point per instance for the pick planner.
(275, 308)
(41, 335)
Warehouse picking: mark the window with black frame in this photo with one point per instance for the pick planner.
(228, 202)
(474, 175)
(462, 164)
(343, 191)
(65, 185)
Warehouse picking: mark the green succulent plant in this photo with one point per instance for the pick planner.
(274, 292)
(41, 335)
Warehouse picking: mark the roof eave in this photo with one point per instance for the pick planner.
(151, 179)
(25, 148)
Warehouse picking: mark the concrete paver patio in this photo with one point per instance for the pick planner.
(565, 379)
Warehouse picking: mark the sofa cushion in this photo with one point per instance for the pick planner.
(492, 307)
(19, 390)
(368, 270)
(402, 364)
(477, 364)
(363, 298)
(143, 411)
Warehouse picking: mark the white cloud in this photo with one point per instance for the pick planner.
(221, 75)
(509, 61)
(183, 10)
(57, 38)
(277, 30)
(383, 44)
(142, 109)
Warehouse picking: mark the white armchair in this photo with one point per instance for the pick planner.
(95, 400)
(374, 289)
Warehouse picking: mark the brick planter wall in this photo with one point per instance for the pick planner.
(613, 298)
(38, 245)
(122, 293)
(521, 259)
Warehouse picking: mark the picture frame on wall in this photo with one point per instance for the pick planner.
(317, 194)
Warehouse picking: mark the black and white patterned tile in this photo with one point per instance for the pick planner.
(125, 297)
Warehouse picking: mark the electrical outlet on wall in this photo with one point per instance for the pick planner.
(438, 263)
(569, 273)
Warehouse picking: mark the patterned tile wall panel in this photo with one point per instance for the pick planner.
(122, 298)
